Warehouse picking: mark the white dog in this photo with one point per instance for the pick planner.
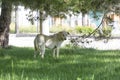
(53, 42)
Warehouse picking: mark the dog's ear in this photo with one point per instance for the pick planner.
(60, 36)
(67, 33)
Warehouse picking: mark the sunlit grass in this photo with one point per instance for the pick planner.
(73, 64)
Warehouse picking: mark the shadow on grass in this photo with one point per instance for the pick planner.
(73, 64)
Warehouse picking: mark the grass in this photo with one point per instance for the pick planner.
(73, 64)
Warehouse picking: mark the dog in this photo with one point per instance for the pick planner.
(53, 42)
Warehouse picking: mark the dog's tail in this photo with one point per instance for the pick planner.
(35, 43)
(35, 47)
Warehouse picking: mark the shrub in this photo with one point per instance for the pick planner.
(84, 29)
(23, 29)
(58, 28)
(107, 31)
(78, 29)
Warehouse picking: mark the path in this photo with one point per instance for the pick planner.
(113, 44)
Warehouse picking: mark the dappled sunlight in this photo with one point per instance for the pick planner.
(69, 59)
(6, 57)
(26, 63)
(105, 60)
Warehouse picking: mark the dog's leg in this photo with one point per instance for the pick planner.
(57, 52)
(35, 53)
(54, 51)
(42, 51)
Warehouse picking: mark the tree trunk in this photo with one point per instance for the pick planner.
(5, 20)
(41, 22)
(83, 19)
(70, 20)
(16, 20)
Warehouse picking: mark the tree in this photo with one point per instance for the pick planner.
(16, 19)
(5, 20)
(47, 7)
(85, 6)
(52, 8)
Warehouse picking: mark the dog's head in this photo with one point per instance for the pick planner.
(62, 35)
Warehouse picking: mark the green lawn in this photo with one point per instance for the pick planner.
(73, 64)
